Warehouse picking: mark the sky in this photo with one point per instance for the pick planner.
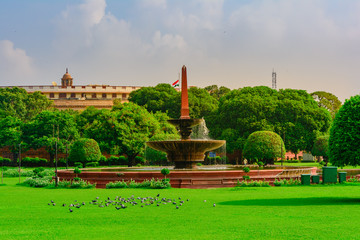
(310, 44)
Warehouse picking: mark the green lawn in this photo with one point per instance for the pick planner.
(313, 212)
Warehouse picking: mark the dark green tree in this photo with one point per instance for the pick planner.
(49, 128)
(85, 150)
(217, 92)
(163, 97)
(264, 146)
(345, 134)
(328, 101)
(321, 148)
(11, 134)
(201, 104)
(16, 102)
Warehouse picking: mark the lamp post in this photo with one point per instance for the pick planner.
(19, 162)
(56, 160)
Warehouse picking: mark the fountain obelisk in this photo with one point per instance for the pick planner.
(184, 95)
(185, 153)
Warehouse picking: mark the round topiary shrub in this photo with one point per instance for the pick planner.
(345, 134)
(264, 146)
(85, 150)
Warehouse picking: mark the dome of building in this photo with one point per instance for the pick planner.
(67, 75)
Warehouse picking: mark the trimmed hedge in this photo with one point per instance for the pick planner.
(84, 150)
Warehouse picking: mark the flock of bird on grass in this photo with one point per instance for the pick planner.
(122, 203)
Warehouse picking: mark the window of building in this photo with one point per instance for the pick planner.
(51, 87)
(52, 95)
(124, 96)
(114, 95)
(83, 86)
(41, 87)
(114, 87)
(93, 95)
(30, 87)
(104, 95)
(123, 87)
(73, 95)
(93, 86)
(62, 95)
(104, 87)
(83, 95)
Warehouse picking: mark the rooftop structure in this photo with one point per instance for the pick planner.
(78, 97)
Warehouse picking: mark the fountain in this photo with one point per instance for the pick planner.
(185, 153)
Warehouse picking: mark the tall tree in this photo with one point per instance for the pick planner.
(163, 97)
(11, 134)
(18, 103)
(201, 104)
(217, 92)
(328, 101)
(49, 127)
(345, 134)
(292, 114)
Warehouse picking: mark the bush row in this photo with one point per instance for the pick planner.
(48, 182)
(155, 184)
(253, 183)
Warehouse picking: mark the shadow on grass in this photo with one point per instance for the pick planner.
(294, 201)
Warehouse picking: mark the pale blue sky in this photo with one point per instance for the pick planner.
(311, 44)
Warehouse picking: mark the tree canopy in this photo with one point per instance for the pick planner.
(345, 134)
(84, 150)
(49, 127)
(16, 102)
(293, 114)
(328, 101)
(217, 92)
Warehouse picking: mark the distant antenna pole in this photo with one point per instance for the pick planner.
(274, 80)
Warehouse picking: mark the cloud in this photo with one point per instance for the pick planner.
(154, 3)
(15, 65)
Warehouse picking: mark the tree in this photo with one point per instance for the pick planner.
(264, 146)
(217, 92)
(163, 97)
(11, 134)
(328, 101)
(123, 130)
(345, 134)
(49, 128)
(293, 114)
(85, 150)
(321, 148)
(201, 104)
(16, 102)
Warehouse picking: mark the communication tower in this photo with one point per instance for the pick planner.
(273, 79)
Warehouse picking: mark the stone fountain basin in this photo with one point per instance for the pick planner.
(186, 150)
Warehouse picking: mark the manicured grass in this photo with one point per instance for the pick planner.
(313, 212)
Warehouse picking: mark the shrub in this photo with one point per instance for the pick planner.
(78, 165)
(140, 160)
(113, 160)
(345, 134)
(246, 169)
(119, 184)
(165, 171)
(122, 160)
(38, 182)
(33, 162)
(353, 179)
(103, 160)
(287, 182)
(77, 171)
(5, 161)
(246, 177)
(92, 164)
(199, 164)
(265, 146)
(85, 150)
(253, 184)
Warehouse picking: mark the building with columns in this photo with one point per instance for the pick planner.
(78, 97)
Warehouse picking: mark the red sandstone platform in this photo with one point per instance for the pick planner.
(180, 179)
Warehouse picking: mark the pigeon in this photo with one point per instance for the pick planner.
(64, 205)
(177, 207)
(52, 201)
(187, 200)
(204, 200)
(49, 204)
(214, 205)
(158, 195)
(117, 208)
(54, 204)
(70, 210)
